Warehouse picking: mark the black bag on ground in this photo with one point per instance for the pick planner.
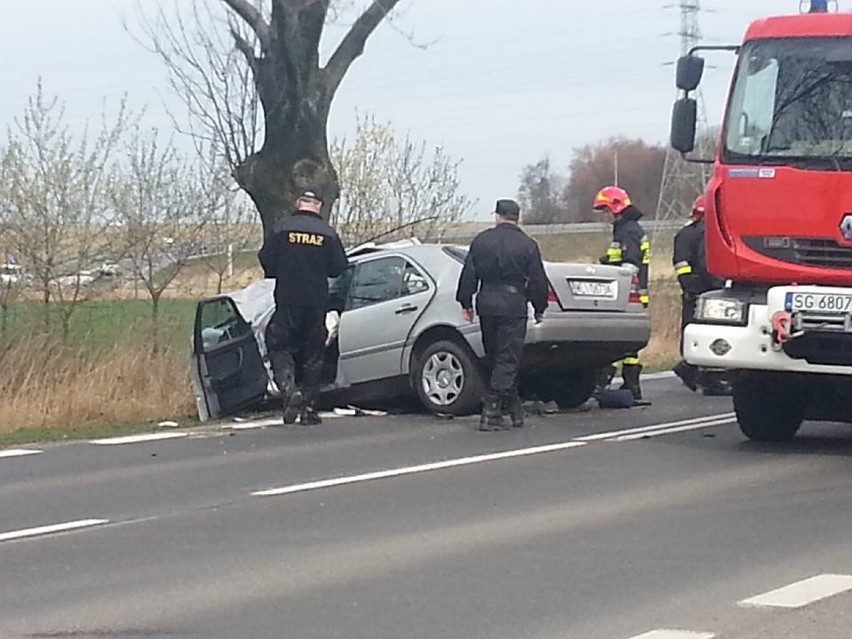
(621, 398)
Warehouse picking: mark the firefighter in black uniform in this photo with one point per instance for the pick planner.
(629, 245)
(504, 269)
(301, 256)
(690, 264)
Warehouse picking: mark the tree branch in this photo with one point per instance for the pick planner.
(245, 48)
(253, 18)
(352, 45)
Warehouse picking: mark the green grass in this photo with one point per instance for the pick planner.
(99, 325)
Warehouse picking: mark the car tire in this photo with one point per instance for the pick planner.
(768, 408)
(448, 378)
(568, 390)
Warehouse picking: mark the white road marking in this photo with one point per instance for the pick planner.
(137, 439)
(270, 421)
(660, 375)
(260, 423)
(675, 634)
(802, 593)
(411, 470)
(654, 427)
(669, 431)
(18, 452)
(55, 528)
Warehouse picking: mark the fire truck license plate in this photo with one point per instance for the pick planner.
(818, 303)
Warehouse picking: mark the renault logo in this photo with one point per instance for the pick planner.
(846, 227)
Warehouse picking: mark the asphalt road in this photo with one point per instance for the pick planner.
(660, 523)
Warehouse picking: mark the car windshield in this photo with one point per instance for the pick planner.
(792, 104)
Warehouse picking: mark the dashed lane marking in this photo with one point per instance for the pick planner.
(52, 529)
(422, 468)
(137, 439)
(18, 452)
(657, 428)
(675, 634)
(802, 593)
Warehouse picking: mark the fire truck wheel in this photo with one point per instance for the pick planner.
(768, 407)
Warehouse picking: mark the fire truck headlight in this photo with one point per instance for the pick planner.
(719, 310)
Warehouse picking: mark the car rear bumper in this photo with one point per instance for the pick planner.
(584, 339)
(603, 329)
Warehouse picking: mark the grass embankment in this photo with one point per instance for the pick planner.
(105, 378)
(105, 372)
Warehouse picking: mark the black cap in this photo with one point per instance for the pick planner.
(508, 209)
(312, 194)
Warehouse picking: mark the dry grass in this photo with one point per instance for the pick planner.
(47, 384)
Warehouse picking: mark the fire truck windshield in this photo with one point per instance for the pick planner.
(792, 104)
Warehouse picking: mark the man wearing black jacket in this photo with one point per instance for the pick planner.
(504, 269)
(301, 257)
(690, 264)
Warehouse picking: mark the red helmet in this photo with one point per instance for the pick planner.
(613, 198)
(699, 207)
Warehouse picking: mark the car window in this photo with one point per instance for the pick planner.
(338, 289)
(413, 281)
(376, 281)
(221, 324)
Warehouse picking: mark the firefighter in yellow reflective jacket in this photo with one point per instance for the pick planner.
(629, 245)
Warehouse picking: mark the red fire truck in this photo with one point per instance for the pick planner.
(779, 222)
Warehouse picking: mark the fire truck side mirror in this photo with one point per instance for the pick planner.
(684, 120)
(690, 70)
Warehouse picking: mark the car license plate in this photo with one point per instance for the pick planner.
(818, 303)
(592, 288)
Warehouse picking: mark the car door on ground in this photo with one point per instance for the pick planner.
(386, 296)
(229, 370)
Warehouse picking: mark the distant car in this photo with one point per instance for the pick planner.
(401, 332)
(11, 274)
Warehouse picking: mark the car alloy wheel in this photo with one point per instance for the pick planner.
(443, 378)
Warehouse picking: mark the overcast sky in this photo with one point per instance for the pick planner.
(501, 85)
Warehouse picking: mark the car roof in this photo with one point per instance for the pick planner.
(405, 247)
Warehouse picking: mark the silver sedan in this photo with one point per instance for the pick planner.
(400, 331)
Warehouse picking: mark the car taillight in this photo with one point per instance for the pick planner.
(551, 296)
(634, 297)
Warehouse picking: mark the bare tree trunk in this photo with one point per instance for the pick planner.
(46, 307)
(155, 324)
(294, 157)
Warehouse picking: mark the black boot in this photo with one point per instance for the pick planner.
(603, 379)
(631, 374)
(309, 416)
(514, 407)
(492, 414)
(687, 374)
(715, 384)
(293, 403)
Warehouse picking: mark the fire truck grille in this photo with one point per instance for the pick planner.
(808, 251)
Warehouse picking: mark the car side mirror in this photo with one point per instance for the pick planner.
(684, 121)
(690, 70)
